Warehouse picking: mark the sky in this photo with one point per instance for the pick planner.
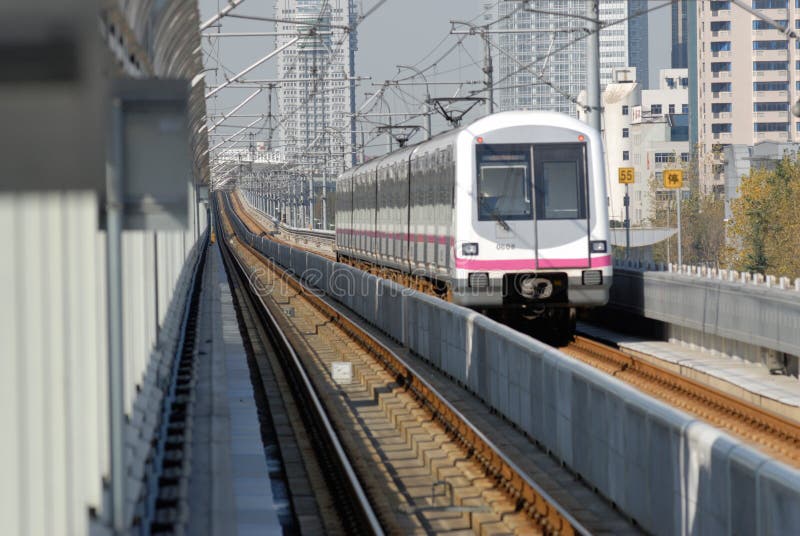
(398, 32)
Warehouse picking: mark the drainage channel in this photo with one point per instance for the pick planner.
(167, 485)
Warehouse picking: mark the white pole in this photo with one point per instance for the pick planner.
(593, 65)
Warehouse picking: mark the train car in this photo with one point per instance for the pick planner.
(507, 215)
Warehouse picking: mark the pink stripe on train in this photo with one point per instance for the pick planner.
(530, 264)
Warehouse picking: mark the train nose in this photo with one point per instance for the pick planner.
(536, 288)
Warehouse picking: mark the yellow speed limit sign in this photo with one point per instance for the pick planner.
(673, 178)
(625, 175)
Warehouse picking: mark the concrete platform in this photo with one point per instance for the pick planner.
(745, 379)
(229, 486)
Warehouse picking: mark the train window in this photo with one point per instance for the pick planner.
(504, 184)
(559, 177)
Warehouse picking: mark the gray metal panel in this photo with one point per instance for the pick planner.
(53, 316)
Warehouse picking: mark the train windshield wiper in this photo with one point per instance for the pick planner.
(503, 223)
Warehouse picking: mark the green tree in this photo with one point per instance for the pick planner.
(763, 232)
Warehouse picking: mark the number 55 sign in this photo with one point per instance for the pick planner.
(625, 175)
(673, 178)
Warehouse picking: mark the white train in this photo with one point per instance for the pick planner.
(507, 214)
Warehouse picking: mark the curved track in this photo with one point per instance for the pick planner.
(494, 491)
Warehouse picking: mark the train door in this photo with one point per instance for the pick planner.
(560, 207)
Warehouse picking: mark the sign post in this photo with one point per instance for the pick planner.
(626, 176)
(673, 179)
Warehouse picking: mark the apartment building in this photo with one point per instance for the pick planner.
(316, 96)
(747, 80)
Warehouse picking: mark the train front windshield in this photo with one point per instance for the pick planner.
(505, 184)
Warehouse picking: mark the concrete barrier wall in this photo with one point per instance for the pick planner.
(669, 471)
(731, 316)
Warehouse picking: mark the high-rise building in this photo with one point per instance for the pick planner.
(614, 39)
(558, 68)
(638, 40)
(746, 80)
(680, 33)
(316, 95)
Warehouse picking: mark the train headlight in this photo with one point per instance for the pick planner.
(479, 280)
(469, 248)
(598, 246)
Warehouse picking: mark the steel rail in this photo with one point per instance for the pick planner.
(361, 499)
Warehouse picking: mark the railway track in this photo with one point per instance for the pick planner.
(343, 504)
(257, 224)
(771, 433)
(457, 481)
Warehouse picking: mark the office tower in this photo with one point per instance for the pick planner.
(638, 44)
(540, 36)
(680, 33)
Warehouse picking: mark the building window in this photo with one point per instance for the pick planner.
(684, 109)
(655, 109)
(770, 106)
(764, 25)
(770, 65)
(718, 87)
(672, 109)
(717, 5)
(625, 133)
(721, 46)
(770, 86)
(770, 4)
(721, 25)
(624, 110)
(684, 157)
(626, 155)
(719, 66)
(664, 158)
(718, 128)
(770, 127)
(770, 44)
(720, 107)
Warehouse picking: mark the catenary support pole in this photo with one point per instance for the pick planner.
(116, 385)
(593, 65)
